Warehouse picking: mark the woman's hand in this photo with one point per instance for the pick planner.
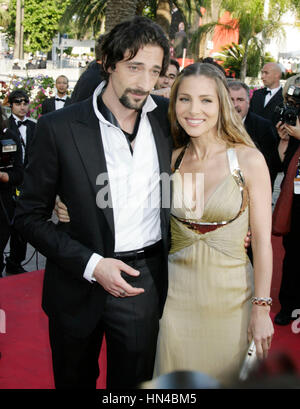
(61, 211)
(261, 330)
(282, 131)
(284, 139)
(294, 130)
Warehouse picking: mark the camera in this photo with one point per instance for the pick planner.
(288, 113)
(8, 147)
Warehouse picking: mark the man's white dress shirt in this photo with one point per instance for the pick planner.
(271, 94)
(134, 183)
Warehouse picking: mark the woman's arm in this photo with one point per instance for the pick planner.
(260, 205)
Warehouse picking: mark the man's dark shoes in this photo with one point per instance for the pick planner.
(283, 318)
(14, 268)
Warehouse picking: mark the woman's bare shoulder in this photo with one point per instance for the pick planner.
(253, 166)
(249, 156)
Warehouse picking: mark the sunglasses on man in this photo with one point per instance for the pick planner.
(19, 101)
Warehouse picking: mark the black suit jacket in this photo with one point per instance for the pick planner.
(29, 134)
(69, 167)
(267, 112)
(88, 82)
(264, 135)
(48, 105)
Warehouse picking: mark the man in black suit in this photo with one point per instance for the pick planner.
(261, 130)
(24, 128)
(61, 98)
(180, 41)
(265, 100)
(30, 65)
(90, 78)
(107, 269)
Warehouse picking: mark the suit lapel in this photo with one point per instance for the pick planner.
(248, 123)
(162, 145)
(164, 159)
(13, 125)
(52, 104)
(87, 138)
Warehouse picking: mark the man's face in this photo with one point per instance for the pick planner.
(20, 107)
(240, 101)
(132, 80)
(270, 76)
(168, 79)
(181, 26)
(61, 85)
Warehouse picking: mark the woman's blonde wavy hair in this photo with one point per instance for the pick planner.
(230, 126)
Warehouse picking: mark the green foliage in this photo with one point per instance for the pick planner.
(190, 8)
(41, 19)
(232, 56)
(4, 14)
(150, 8)
(85, 14)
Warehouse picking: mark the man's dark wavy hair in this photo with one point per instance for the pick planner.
(16, 94)
(132, 35)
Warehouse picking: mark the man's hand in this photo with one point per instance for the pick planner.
(61, 211)
(4, 178)
(247, 240)
(108, 274)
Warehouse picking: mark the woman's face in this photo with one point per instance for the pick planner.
(197, 106)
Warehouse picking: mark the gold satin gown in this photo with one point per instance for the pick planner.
(207, 311)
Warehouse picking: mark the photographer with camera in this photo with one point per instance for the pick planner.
(286, 215)
(11, 175)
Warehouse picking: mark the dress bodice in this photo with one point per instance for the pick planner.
(223, 209)
(223, 205)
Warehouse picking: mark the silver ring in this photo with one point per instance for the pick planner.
(123, 293)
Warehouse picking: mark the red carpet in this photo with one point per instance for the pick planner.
(25, 353)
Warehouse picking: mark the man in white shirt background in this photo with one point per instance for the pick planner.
(260, 129)
(61, 98)
(265, 100)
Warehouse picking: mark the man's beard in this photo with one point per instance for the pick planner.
(137, 105)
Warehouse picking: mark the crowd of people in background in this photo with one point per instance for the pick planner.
(109, 96)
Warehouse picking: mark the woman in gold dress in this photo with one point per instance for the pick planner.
(221, 187)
